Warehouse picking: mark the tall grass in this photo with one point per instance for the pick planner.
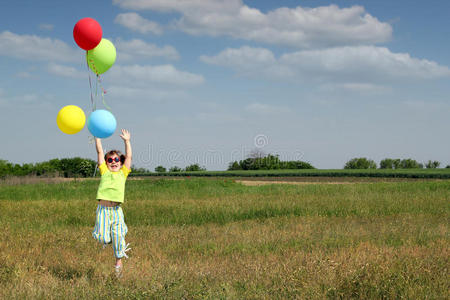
(203, 238)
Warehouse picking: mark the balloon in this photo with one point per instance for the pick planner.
(101, 123)
(102, 57)
(87, 33)
(71, 119)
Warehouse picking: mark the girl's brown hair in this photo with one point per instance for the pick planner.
(116, 152)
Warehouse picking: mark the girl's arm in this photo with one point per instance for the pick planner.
(100, 154)
(126, 138)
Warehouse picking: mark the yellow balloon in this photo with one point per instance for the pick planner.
(71, 119)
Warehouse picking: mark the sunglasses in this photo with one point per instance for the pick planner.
(116, 159)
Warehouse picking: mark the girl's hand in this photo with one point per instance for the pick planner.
(125, 135)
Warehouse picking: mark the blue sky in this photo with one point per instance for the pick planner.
(210, 81)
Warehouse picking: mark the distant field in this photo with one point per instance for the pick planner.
(197, 238)
(400, 173)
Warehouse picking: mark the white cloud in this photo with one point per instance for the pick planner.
(357, 87)
(356, 66)
(145, 75)
(180, 5)
(137, 49)
(145, 94)
(367, 62)
(296, 27)
(266, 109)
(249, 61)
(65, 71)
(24, 75)
(29, 98)
(218, 117)
(32, 47)
(243, 57)
(135, 22)
(48, 27)
(23, 100)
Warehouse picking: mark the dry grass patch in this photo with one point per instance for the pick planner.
(312, 257)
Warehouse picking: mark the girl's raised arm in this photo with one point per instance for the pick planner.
(126, 138)
(100, 154)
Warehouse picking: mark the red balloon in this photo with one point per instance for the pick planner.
(87, 33)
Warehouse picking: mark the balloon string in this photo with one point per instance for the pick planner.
(99, 80)
(91, 138)
(93, 106)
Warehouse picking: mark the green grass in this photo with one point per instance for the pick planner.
(214, 238)
(382, 173)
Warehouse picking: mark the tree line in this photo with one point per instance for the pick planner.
(71, 167)
(65, 167)
(267, 162)
(84, 167)
(190, 168)
(391, 163)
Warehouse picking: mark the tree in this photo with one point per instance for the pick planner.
(135, 170)
(76, 167)
(234, 166)
(271, 162)
(387, 163)
(194, 167)
(390, 163)
(55, 164)
(397, 163)
(160, 169)
(360, 163)
(410, 164)
(5, 168)
(47, 168)
(246, 164)
(302, 165)
(27, 169)
(68, 167)
(432, 164)
(175, 169)
(86, 168)
(268, 162)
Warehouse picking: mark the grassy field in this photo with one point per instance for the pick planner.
(199, 238)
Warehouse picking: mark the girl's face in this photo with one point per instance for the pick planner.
(113, 163)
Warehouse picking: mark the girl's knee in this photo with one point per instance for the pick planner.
(101, 238)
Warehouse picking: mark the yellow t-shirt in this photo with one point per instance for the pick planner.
(112, 184)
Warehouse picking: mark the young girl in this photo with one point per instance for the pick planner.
(110, 226)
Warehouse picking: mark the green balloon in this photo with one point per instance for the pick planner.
(102, 57)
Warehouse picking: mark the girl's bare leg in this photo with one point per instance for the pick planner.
(118, 262)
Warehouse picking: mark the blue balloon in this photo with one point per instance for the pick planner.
(101, 123)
